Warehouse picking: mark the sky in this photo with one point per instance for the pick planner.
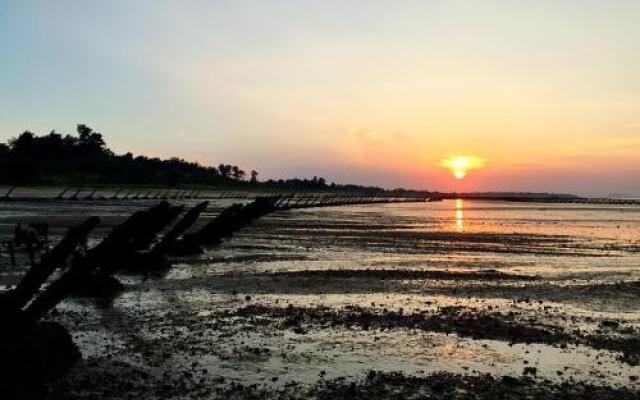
(545, 93)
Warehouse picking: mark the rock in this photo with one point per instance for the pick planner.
(32, 357)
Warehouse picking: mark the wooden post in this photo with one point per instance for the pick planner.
(38, 274)
(108, 250)
(59, 196)
(11, 189)
(156, 219)
(75, 195)
(90, 196)
(187, 220)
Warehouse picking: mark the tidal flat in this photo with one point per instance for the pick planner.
(452, 299)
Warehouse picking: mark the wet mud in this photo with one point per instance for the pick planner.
(471, 301)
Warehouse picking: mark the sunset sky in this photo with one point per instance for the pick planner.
(545, 93)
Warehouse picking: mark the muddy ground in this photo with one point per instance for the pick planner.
(438, 300)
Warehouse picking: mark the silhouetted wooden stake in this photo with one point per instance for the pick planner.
(8, 193)
(105, 255)
(90, 196)
(75, 195)
(61, 194)
(38, 273)
(168, 240)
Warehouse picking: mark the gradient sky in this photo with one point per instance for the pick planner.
(372, 92)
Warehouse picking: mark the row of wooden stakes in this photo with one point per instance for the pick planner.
(132, 195)
(134, 246)
(33, 352)
(284, 200)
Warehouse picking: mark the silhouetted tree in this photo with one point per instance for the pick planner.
(237, 173)
(85, 158)
(23, 144)
(254, 176)
(90, 142)
(224, 170)
(4, 149)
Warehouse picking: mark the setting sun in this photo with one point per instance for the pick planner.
(460, 165)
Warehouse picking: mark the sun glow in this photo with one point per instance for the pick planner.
(461, 165)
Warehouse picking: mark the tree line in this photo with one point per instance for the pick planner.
(85, 159)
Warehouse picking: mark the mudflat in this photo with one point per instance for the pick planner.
(463, 299)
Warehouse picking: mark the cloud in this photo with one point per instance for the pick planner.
(363, 133)
(401, 137)
(369, 148)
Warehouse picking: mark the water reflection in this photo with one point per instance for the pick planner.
(459, 216)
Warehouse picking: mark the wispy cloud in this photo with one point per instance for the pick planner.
(363, 133)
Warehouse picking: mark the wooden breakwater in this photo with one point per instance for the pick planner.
(329, 200)
(293, 200)
(34, 352)
(284, 200)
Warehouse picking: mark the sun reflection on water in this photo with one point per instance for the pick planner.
(459, 216)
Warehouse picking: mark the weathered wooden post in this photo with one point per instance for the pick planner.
(38, 273)
(170, 237)
(75, 195)
(61, 194)
(8, 193)
(281, 201)
(90, 196)
(108, 255)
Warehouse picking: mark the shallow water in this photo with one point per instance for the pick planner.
(582, 263)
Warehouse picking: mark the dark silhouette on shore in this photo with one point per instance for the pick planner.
(85, 158)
